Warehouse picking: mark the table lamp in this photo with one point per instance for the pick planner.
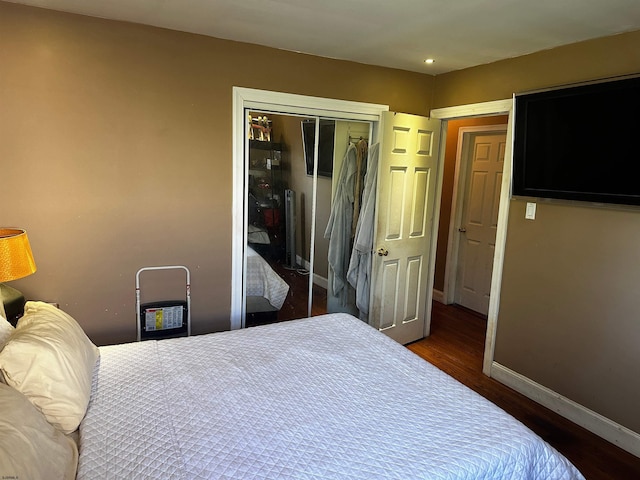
(16, 259)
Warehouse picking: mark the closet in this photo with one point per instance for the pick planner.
(291, 183)
(405, 214)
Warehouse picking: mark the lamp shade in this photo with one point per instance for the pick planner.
(16, 259)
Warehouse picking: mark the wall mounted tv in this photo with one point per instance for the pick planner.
(579, 143)
(325, 146)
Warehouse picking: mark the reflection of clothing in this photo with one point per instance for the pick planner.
(359, 272)
(340, 225)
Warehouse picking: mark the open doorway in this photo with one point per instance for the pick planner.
(489, 113)
(455, 185)
(479, 163)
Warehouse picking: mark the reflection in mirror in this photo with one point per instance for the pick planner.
(278, 195)
(290, 187)
(264, 289)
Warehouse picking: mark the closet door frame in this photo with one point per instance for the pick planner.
(287, 104)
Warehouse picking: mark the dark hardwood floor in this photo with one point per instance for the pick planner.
(296, 304)
(456, 346)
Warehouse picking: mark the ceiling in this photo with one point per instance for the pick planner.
(392, 33)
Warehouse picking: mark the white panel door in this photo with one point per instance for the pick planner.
(479, 222)
(404, 227)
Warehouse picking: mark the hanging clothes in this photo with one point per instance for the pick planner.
(362, 148)
(359, 271)
(339, 227)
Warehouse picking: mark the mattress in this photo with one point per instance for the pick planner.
(325, 397)
(263, 281)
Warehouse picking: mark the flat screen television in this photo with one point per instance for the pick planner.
(325, 146)
(579, 143)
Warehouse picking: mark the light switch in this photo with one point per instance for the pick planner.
(530, 213)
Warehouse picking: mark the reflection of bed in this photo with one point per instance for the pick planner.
(324, 397)
(257, 235)
(327, 397)
(266, 290)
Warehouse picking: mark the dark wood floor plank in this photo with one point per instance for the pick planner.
(456, 346)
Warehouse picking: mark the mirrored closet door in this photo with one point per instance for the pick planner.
(291, 180)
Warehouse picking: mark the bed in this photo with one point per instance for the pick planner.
(324, 397)
(266, 291)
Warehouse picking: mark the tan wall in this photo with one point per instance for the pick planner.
(594, 59)
(568, 314)
(115, 143)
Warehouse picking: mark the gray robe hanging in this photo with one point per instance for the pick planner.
(359, 272)
(340, 224)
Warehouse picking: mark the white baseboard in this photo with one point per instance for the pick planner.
(594, 422)
(317, 279)
(438, 296)
(320, 281)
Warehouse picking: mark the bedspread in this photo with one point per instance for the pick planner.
(326, 397)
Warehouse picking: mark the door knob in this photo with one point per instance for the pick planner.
(382, 252)
(462, 230)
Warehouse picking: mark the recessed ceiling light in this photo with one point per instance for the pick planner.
(429, 60)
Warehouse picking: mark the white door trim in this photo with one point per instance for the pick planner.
(465, 137)
(286, 103)
(499, 107)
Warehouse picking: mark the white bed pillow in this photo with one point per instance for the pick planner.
(50, 360)
(6, 329)
(29, 446)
